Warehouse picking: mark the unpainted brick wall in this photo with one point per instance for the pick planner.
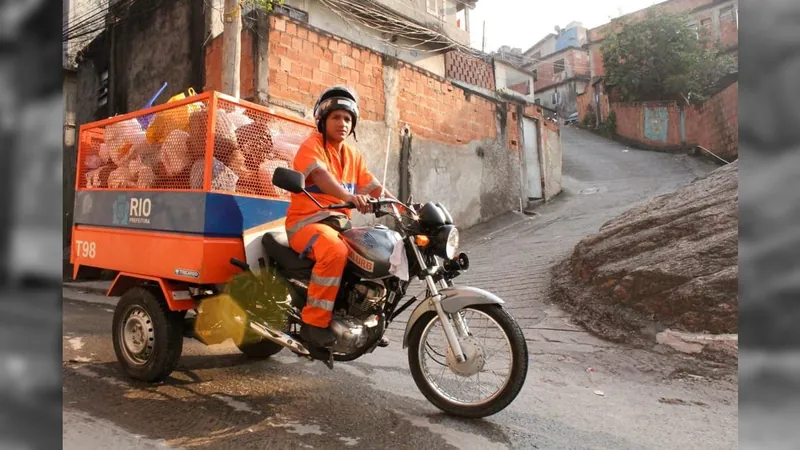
(438, 110)
(576, 63)
(713, 125)
(631, 122)
(468, 69)
(303, 62)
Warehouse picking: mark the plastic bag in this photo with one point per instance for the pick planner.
(224, 136)
(238, 118)
(255, 142)
(103, 153)
(121, 178)
(119, 139)
(98, 178)
(175, 152)
(222, 177)
(259, 182)
(172, 119)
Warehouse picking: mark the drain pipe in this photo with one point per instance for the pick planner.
(709, 151)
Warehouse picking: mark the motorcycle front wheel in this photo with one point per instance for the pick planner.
(491, 377)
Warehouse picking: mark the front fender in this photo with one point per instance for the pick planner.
(453, 299)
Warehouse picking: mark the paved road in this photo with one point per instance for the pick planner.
(629, 399)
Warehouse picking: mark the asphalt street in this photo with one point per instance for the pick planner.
(581, 392)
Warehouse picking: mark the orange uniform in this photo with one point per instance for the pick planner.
(321, 242)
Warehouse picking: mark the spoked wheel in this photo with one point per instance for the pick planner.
(491, 377)
(148, 337)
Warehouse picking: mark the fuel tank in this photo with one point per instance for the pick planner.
(369, 250)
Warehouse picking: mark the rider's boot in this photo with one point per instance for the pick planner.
(316, 336)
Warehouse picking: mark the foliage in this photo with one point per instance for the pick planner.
(589, 119)
(663, 58)
(610, 124)
(266, 5)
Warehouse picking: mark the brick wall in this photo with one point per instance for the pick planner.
(713, 125)
(468, 69)
(576, 63)
(214, 65)
(303, 62)
(631, 118)
(596, 57)
(438, 110)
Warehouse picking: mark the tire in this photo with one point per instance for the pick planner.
(519, 366)
(259, 349)
(165, 334)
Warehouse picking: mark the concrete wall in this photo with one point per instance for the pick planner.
(545, 47)
(75, 12)
(507, 77)
(164, 46)
(552, 162)
(155, 51)
(567, 100)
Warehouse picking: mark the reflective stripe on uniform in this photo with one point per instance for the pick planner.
(313, 218)
(369, 188)
(311, 168)
(321, 304)
(325, 281)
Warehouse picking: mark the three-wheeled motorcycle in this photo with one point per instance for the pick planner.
(186, 200)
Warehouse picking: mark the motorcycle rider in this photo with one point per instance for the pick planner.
(335, 173)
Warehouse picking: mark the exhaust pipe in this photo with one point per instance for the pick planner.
(279, 337)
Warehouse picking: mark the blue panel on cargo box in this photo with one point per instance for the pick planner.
(231, 215)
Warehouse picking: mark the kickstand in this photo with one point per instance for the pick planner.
(329, 362)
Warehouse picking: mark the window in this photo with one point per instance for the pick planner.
(432, 6)
(535, 75)
(558, 66)
(555, 98)
(729, 13)
(696, 28)
(537, 101)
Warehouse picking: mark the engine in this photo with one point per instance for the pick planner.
(365, 298)
(355, 327)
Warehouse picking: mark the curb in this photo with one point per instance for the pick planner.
(84, 288)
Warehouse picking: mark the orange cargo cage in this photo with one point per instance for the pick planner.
(169, 192)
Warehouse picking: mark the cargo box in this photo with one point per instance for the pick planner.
(178, 198)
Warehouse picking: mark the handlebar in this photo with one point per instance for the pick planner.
(376, 203)
(348, 205)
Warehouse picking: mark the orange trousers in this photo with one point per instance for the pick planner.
(330, 258)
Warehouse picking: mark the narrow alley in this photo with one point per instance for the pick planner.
(581, 392)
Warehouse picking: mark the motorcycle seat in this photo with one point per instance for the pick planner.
(276, 246)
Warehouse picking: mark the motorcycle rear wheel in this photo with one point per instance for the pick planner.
(502, 397)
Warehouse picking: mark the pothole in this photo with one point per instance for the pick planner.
(590, 191)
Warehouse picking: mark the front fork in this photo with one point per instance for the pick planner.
(436, 299)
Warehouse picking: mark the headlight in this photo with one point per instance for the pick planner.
(452, 244)
(446, 242)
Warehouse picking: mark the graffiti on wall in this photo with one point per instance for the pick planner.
(656, 120)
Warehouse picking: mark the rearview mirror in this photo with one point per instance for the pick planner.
(288, 179)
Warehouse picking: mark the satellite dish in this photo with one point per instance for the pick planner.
(558, 29)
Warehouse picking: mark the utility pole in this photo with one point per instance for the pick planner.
(483, 38)
(232, 48)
